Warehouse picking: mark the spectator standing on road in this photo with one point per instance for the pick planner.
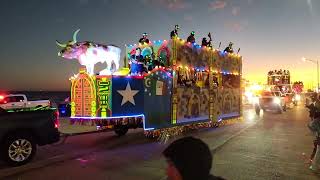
(314, 114)
(189, 159)
(315, 128)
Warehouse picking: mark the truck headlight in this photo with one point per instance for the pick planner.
(277, 100)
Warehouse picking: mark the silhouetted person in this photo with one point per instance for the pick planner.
(189, 158)
(315, 156)
(191, 38)
(204, 42)
(210, 40)
(229, 49)
(174, 33)
(144, 39)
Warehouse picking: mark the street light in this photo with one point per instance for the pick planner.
(316, 62)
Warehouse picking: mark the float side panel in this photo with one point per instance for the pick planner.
(157, 100)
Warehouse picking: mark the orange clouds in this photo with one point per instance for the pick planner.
(169, 4)
(219, 4)
(236, 26)
(235, 11)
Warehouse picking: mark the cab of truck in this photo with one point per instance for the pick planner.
(270, 100)
(20, 101)
(21, 131)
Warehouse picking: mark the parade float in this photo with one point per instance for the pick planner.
(163, 86)
(279, 82)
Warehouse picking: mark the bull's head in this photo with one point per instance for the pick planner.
(72, 49)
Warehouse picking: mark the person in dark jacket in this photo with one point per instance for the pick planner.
(144, 39)
(189, 158)
(174, 33)
(229, 49)
(191, 38)
(314, 126)
(204, 42)
(314, 113)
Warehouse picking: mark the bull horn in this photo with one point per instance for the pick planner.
(60, 44)
(75, 36)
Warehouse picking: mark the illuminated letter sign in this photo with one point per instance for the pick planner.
(104, 87)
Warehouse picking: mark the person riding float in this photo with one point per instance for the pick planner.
(191, 38)
(174, 33)
(229, 49)
(144, 39)
(205, 42)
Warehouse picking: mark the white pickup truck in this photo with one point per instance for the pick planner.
(20, 101)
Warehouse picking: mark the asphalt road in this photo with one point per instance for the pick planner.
(272, 146)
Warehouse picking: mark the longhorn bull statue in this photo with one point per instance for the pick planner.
(89, 53)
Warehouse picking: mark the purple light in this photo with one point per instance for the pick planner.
(113, 117)
(117, 117)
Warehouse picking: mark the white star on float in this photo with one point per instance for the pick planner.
(128, 95)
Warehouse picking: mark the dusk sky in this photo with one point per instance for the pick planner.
(272, 34)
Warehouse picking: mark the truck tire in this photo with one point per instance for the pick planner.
(257, 109)
(279, 110)
(284, 107)
(121, 130)
(18, 149)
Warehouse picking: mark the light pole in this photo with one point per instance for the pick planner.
(316, 62)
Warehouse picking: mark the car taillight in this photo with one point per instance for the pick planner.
(56, 120)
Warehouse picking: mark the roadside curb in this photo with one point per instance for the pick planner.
(219, 145)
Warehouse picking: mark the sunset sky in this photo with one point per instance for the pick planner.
(272, 34)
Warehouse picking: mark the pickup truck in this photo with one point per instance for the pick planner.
(270, 101)
(20, 101)
(22, 130)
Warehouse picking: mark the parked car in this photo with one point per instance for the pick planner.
(20, 101)
(270, 101)
(22, 130)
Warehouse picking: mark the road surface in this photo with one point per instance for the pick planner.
(270, 146)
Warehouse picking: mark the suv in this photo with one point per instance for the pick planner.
(270, 101)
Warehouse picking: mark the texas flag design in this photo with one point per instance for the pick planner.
(127, 96)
